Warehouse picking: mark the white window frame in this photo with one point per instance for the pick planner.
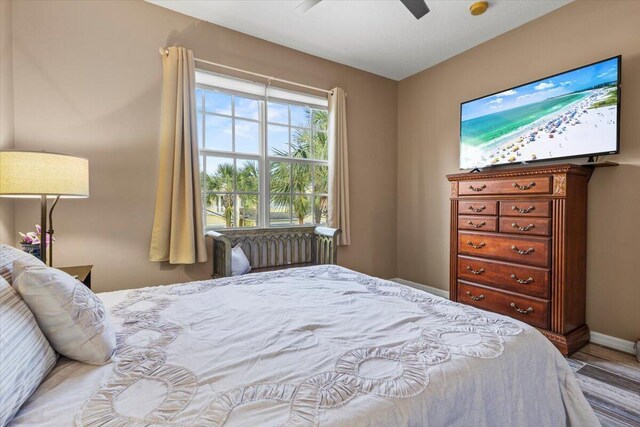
(230, 86)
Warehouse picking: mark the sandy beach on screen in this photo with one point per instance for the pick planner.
(573, 130)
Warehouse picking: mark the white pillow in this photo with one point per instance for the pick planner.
(25, 354)
(72, 317)
(9, 254)
(239, 262)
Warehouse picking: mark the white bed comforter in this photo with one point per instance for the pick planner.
(313, 346)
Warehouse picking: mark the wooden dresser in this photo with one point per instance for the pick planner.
(518, 247)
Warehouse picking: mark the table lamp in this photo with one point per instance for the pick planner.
(39, 174)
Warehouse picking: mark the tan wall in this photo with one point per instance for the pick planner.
(428, 124)
(6, 112)
(87, 82)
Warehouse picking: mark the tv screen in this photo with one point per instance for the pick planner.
(571, 114)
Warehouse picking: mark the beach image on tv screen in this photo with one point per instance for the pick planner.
(571, 114)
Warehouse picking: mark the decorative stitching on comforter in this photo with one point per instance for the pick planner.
(322, 391)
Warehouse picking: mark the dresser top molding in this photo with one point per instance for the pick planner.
(565, 168)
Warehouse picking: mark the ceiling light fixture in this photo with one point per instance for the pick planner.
(478, 8)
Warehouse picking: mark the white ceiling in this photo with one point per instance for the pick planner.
(379, 36)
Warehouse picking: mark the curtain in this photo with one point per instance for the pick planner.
(178, 235)
(338, 215)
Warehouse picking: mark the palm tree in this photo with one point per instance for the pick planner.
(288, 178)
(320, 120)
(222, 181)
(247, 181)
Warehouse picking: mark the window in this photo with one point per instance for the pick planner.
(263, 154)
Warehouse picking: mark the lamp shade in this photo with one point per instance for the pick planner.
(38, 173)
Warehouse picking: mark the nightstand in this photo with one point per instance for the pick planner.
(80, 272)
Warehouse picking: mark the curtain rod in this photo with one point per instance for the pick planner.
(164, 51)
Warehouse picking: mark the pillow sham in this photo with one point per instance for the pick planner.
(25, 356)
(239, 262)
(73, 318)
(8, 255)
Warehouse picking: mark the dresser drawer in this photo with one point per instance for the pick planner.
(525, 208)
(519, 185)
(533, 311)
(480, 207)
(481, 223)
(528, 226)
(531, 281)
(522, 250)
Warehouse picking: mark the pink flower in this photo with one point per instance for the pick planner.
(34, 237)
(26, 238)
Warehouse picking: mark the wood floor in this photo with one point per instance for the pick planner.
(610, 380)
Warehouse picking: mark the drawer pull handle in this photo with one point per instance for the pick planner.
(520, 310)
(524, 187)
(478, 298)
(482, 187)
(476, 272)
(478, 225)
(474, 246)
(480, 209)
(524, 210)
(522, 252)
(525, 228)
(522, 281)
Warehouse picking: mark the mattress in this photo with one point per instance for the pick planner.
(312, 346)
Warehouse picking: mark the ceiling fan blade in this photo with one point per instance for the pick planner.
(417, 7)
(307, 4)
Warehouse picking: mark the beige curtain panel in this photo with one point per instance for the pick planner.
(178, 235)
(338, 216)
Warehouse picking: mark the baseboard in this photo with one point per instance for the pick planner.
(435, 291)
(596, 337)
(612, 342)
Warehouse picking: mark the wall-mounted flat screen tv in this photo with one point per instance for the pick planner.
(571, 114)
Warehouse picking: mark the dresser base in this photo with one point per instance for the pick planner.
(519, 247)
(571, 342)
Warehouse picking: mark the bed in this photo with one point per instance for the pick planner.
(311, 346)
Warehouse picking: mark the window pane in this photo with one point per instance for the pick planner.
(300, 143)
(301, 175)
(247, 137)
(219, 210)
(320, 119)
(203, 173)
(199, 95)
(200, 124)
(247, 108)
(278, 139)
(280, 210)
(220, 175)
(302, 211)
(231, 186)
(280, 178)
(300, 116)
(215, 102)
(320, 206)
(320, 146)
(218, 133)
(278, 113)
(321, 178)
(248, 180)
(247, 210)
